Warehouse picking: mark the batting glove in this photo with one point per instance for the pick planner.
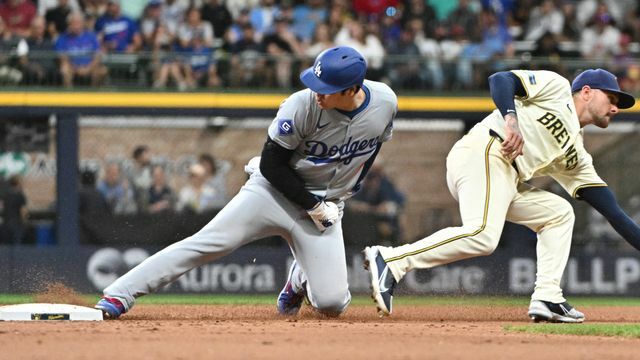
(324, 214)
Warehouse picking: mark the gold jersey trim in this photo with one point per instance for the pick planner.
(575, 192)
(484, 216)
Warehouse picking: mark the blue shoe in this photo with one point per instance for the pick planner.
(382, 280)
(111, 308)
(289, 300)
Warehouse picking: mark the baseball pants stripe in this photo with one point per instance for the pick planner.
(484, 216)
(484, 183)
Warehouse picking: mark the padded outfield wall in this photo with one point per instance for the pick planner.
(232, 127)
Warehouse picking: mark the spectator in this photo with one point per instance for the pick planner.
(116, 32)
(155, 34)
(92, 205)
(430, 50)
(117, 191)
(407, 72)
(479, 58)
(237, 6)
(262, 17)
(282, 45)
(9, 73)
(544, 18)
(247, 60)
(339, 14)
(465, 18)
(216, 13)
(600, 40)
(373, 10)
(37, 64)
(15, 213)
(306, 18)
(201, 68)
(193, 27)
(451, 48)
(236, 31)
(216, 176)
(322, 41)
(197, 196)
(161, 197)
(548, 51)
(172, 15)
(571, 29)
(586, 10)
(57, 15)
(139, 174)
(158, 38)
(93, 8)
(353, 35)
(79, 54)
(17, 16)
(423, 11)
(380, 198)
(44, 6)
(625, 66)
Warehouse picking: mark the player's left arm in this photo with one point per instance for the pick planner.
(604, 201)
(504, 87)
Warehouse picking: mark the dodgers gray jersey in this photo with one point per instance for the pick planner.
(331, 146)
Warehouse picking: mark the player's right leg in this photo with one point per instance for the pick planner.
(483, 182)
(254, 213)
(320, 272)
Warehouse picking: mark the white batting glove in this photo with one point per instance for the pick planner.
(324, 214)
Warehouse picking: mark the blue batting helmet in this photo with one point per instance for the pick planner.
(334, 70)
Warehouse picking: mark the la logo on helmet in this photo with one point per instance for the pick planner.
(317, 70)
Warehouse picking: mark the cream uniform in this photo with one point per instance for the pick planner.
(491, 189)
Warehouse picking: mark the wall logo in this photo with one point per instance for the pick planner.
(106, 265)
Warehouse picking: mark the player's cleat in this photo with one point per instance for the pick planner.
(540, 310)
(111, 307)
(382, 280)
(290, 299)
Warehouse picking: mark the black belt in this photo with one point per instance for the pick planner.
(497, 136)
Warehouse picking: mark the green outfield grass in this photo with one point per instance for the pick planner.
(268, 299)
(624, 330)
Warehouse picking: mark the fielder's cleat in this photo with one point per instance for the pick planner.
(290, 299)
(540, 310)
(382, 280)
(111, 307)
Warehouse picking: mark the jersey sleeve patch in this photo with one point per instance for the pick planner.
(285, 126)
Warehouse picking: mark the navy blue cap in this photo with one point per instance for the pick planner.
(334, 70)
(603, 80)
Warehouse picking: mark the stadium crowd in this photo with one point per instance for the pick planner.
(413, 44)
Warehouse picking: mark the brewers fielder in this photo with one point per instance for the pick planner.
(535, 131)
(319, 147)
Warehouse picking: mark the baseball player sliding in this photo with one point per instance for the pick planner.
(319, 147)
(535, 131)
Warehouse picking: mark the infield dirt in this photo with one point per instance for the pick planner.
(257, 332)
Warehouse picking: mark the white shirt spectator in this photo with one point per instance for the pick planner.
(544, 18)
(45, 5)
(369, 45)
(599, 42)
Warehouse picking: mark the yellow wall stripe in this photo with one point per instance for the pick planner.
(484, 217)
(221, 100)
(213, 100)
